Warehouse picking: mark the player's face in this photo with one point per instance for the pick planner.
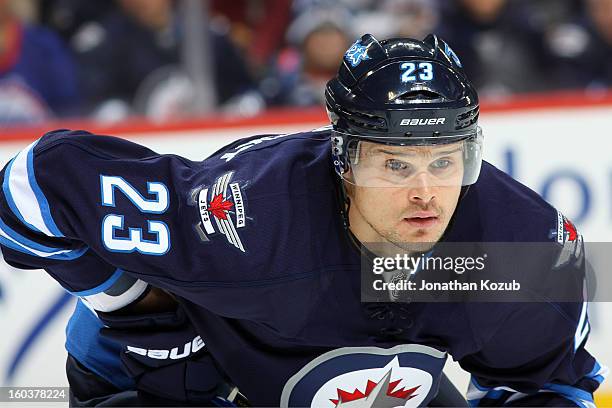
(414, 209)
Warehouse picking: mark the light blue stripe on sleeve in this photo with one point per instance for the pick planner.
(477, 392)
(598, 373)
(12, 239)
(42, 200)
(9, 197)
(25, 197)
(581, 397)
(101, 287)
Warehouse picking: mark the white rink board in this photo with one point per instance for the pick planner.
(564, 153)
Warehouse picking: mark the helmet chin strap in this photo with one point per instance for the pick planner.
(344, 202)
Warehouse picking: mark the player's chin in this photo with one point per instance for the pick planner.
(421, 240)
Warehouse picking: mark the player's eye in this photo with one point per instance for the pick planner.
(442, 165)
(398, 167)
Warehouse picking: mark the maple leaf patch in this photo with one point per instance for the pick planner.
(219, 207)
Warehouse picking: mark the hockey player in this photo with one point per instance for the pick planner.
(260, 246)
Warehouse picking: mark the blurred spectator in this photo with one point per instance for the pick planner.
(66, 17)
(301, 6)
(257, 27)
(497, 44)
(37, 75)
(580, 50)
(382, 18)
(319, 38)
(544, 14)
(396, 18)
(130, 62)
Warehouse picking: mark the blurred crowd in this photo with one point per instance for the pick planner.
(111, 59)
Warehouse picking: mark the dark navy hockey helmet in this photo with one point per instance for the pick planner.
(403, 92)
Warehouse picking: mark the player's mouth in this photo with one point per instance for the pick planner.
(422, 219)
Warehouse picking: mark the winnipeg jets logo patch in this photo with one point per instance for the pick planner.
(571, 241)
(356, 54)
(222, 210)
(364, 377)
(381, 393)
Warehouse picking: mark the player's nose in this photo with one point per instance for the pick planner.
(421, 189)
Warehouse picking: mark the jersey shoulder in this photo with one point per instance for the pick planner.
(298, 157)
(278, 187)
(498, 208)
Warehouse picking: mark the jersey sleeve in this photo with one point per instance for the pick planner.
(92, 209)
(544, 366)
(52, 196)
(537, 356)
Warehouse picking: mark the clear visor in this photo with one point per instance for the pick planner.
(451, 161)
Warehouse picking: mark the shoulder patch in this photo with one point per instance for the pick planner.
(570, 240)
(222, 210)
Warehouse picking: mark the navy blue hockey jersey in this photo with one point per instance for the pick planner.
(251, 242)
